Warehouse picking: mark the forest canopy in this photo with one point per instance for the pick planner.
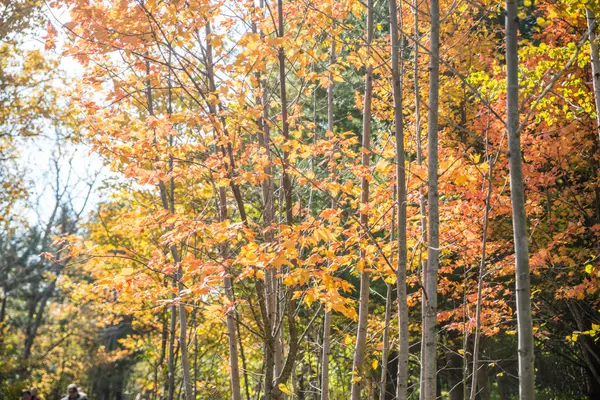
(298, 199)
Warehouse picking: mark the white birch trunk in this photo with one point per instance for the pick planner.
(517, 194)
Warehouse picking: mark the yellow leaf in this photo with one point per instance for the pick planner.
(253, 41)
(289, 245)
(279, 261)
(573, 337)
(390, 279)
(284, 389)
(461, 180)
(374, 363)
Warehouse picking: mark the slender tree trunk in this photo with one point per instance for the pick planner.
(163, 351)
(517, 194)
(241, 346)
(330, 85)
(287, 192)
(385, 351)
(171, 357)
(2, 316)
(397, 86)
(236, 393)
(429, 340)
(454, 376)
(266, 294)
(170, 381)
(327, 319)
(358, 378)
(325, 357)
(32, 333)
(195, 335)
(417, 93)
(422, 202)
(486, 218)
(185, 362)
(285, 369)
(3, 308)
(595, 56)
(170, 206)
(286, 183)
(483, 390)
(287, 188)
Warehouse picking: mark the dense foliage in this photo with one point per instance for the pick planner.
(251, 243)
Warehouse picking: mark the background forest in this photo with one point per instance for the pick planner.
(378, 199)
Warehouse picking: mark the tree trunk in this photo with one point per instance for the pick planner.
(39, 315)
(169, 206)
(503, 389)
(2, 316)
(327, 321)
(185, 362)
(163, 353)
(325, 357)
(358, 379)
(454, 375)
(483, 390)
(283, 370)
(397, 85)
(386, 340)
(236, 393)
(517, 194)
(3, 308)
(486, 219)
(171, 357)
(429, 340)
(595, 56)
(265, 291)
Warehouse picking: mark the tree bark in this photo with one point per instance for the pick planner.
(595, 58)
(429, 339)
(325, 357)
(483, 390)
(171, 356)
(327, 321)
(385, 351)
(39, 315)
(236, 393)
(486, 219)
(169, 206)
(517, 193)
(365, 276)
(397, 86)
(266, 293)
(283, 370)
